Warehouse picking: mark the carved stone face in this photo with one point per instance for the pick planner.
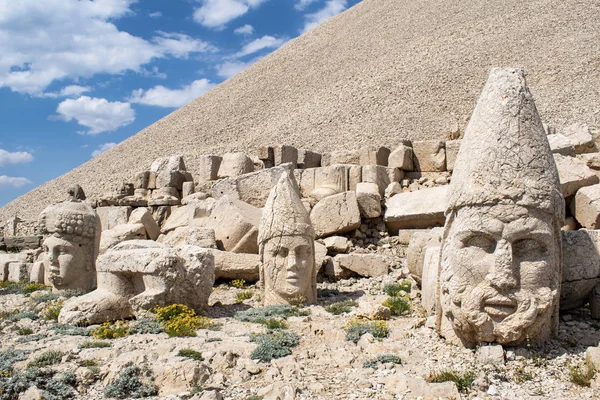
(500, 273)
(66, 262)
(289, 264)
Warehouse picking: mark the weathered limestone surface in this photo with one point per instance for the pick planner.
(373, 155)
(421, 209)
(429, 155)
(283, 154)
(143, 216)
(319, 183)
(337, 244)
(369, 200)
(172, 163)
(431, 267)
(418, 242)
(338, 213)
(586, 206)
(580, 136)
(235, 224)
(18, 271)
(180, 216)
(164, 196)
(560, 144)
(121, 233)
(581, 267)
(381, 176)
(113, 216)
(452, 147)
(194, 236)
(574, 174)
(592, 160)
(308, 159)
(208, 167)
(402, 158)
(235, 164)
(230, 265)
(363, 264)
(345, 157)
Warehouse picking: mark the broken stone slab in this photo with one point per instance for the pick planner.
(188, 235)
(143, 216)
(166, 196)
(235, 164)
(401, 384)
(392, 189)
(194, 197)
(373, 155)
(574, 174)
(145, 180)
(235, 224)
(431, 267)
(452, 147)
(20, 243)
(38, 274)
(367, 265)
(580, 136)
(421, 209)
(283, 154)
(113, 216)
(121, 233)
(18, 271)
(345, 157)
(491, 355)
(325, 181)
(187, 189)
(337, 244)
(592, 160)
(320, 255)
(172, 163)
(402, 158)
(180, 216)
(199, 210)
(335, 214)
(381, 176)
(560, 144)
(230, 265)
(586, 206)
(580, 267)
(208, 167)
(418, 243)
(172, 179)
(369, 200)
(308, 159)
(429, 155)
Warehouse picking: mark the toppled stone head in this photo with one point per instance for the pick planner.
(500, 270)
(286, 247)
(71, 248)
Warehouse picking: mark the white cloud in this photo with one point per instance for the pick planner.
(244, 30)
(302, 4)
(67, 91)
(217, 13)
(100, 115)
(102, 148)
(13, 181)
(155, 14)
(332, 7)
(229, 69)
(265, 42)
(17, 157)
(164, 97)
(45, 41)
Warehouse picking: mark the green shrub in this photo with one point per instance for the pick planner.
(341, 307)
(94, 344)
(382, 359)
(44, 297)
(7, 360)
(243, 295)
(129, 384)
(53, 386)
(50, 357)
(462, 379)
(71, 330)
(19, 315)
(31, 338)
(34, 287)
(297, 301)
(110, 330)
(398, 305)
(238, 283)
(179, 320)
(260, 315)
(357, 327)
(582, 375)
(254, 397)
(88, 362)
(52, 309)
(274, 324)
(395, 289)
(24, 331)
(147, 325)
(273, 344)
(189, 353)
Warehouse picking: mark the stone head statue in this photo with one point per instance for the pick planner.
(286, 247)
(500, 269)
(71, 247)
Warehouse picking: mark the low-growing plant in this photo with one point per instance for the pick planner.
(397, 305)
(297, 301)
(71, 330)
(357, 327)
(260, 315)
(327, 292)
(8, 358)
(273, 344)
(254, 397)
(341, 307)
(18, 315)
(24, 331)
(111, 330)
(52, 309)
(190, 353)
(94, 344)
(462, 379)
(238, 283)
(214, 339)
(382, 359)
(50, 357)
(53, 386)
(44, 297)
(582, 374)
(147, 325)
(88, 362)
(34, 287)
(275, 324)
(68, 293)
(396, 289)
(129, 384)
(179, 320)
(243, 295)
(31, 338)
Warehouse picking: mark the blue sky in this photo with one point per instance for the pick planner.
(77, 77)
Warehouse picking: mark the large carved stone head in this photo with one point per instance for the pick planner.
(500, 270)
(71, 246)
(286, 247)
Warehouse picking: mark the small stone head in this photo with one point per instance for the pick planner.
(71, 245)
(286, 246)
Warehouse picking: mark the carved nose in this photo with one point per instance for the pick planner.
(504, 274)
(291, 261)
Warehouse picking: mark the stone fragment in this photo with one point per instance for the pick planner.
(320, 255)
(165, 196)
(373, 312)
(402, 158)
(586, 206)
(143, 216)
(580, 136)
(452, 147)
(200, 209)
(369, 200)
(160, 214)
(337, 244)
(208, 167)
(17, 271)
(373, 155)
(345, 157)
(37, 274)
(574, 174)
(335, 214)
(381, 176)
(308, 159)
(580, 267)
(267, 155)
(392, 189)
(121, 233)
(283, 154)
(113, 216)
(560, 144)
(429, 282)
(179, 376)
(172, 163)
(325, 159)
(429, 155)
(230, 266)
(145, 180)
(236, 225)
(235, 164)
(194, 236)
(592, 160)
(187, 189)
(366, 265)
(419, 241)
(420, 209)
(593, 354)
(418, 388)
(327, 181)
(172, 179)
(490, 355)
(180, 216)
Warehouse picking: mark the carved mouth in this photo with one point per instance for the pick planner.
(500, 307)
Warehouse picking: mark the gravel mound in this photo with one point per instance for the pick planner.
(382, 71)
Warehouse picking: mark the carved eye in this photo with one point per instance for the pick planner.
(482, 242)
(529, 249)
(282, 252)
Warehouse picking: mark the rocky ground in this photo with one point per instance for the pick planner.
(323, 365)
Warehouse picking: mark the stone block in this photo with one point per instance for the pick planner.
(392, 189)
(113, 216)
(354, 176)
(329, 180)
(381, 176)
(429, 280)
(172, 163)
(367, 265)
(593, 354)
(560, 144)
(267, 155)
(580, 267)
(402, 158)
(190, 235)
(235, 164)
(574, 174)
(121, 233)
(160, 213)
(187, 189)
(369, 200)
(171, 179)
(38, 273)
(421, 209)
(320, 256)
(145, 180)
(418, 243)
(308, 159)
(236, 225)
(166, 196)
(373, 155)
(337, 213)
(20, 243)
(429, 155)
(325, 159)
(143, 216)
(17, 271)
(452, 147)
(345, 157)
(200, 208)
(230, 266)
(490, 355)
(283, 154)
(208, 167)
(580, 136)
(586, 206)
(180, 216)
(592, 160)
(337, 244)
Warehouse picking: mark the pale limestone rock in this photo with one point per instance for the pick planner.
(113, 216)
(401, 384)
(235, 164)
(581, 267)
(187, 189)
(429, 155)
(334, 214)
(283, 154)
(418, 242)
(429, 283)
(337, 244)
(490, 355)
(37, 274)
(560, 144)
(381, 176)
(143, 216)
(452, 147)
(208, 167)
(17, 271)
(592, 160)
(402, 158)
(373, 312)
(369, 200)
(574, 174)
(193, 198)
(230, 266)
(345, 157)
(172, 179)
(6, 259)
(579, 134)
(326, 181)
(392, 189)
(165, 196)
(172, 163)
(145, 180)
(308, 159)
(355, 176)
(586, 206)
(287, 250)
(421, 209)
(373, 155)
(194, 236)
(500, 272)
(363, 264)
(593, 354)
(180, 375)
(235, 224)
(180, 216)
(121, 233)
(267, 156)
(320, 255)
(142, 274)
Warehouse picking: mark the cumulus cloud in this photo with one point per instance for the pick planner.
(217, 13)
(97, 114)
(17, 157)
(13, 181)
(102, 148)
(244, 30)
(164, 97)
(40, 45)
(67, 91)
(155, 14)
(332, 7)
(265, 42)
(231, 68)
(303, 4)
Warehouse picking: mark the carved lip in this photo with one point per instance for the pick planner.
(500, 306)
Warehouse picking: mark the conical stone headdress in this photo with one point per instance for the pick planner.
(73, 219)
(505, 157)
(284, 214)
